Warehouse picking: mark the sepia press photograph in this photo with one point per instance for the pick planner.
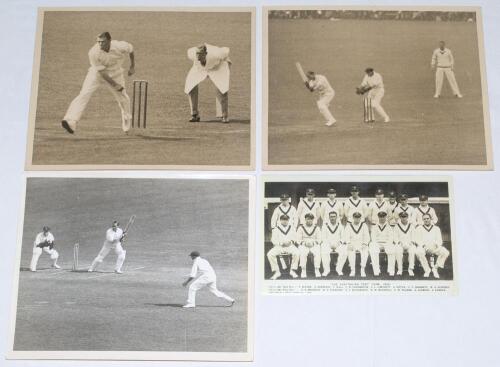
(143, 88)
(135, 269)
(383, 235)
(378, 87)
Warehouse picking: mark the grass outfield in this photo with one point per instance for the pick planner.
(160, 41)
(138, 310)
(423, 130)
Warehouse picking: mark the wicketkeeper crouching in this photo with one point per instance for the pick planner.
(44, 242)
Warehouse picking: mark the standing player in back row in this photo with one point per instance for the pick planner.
(374, 85)
(320, 84)
(106, 59)
(444, 63)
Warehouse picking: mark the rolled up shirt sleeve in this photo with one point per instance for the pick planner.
(125, 47)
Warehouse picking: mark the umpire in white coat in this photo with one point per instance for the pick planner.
(212, 62)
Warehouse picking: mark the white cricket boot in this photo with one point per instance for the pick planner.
(276, 275)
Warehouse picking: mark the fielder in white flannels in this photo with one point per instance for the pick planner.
(320, 84)
(430, 240)
(44, 242)
(404, 239)
(283, 238)
(331, 205)
(106, 60)
(423, 209)
(382, 239)
(284, 208)
(403, 207)
(114, 236)
(309, 239)
(374, 85)
(206, 278)
(309, 205)
(357, 238)
(355, 204)
(210, 62)
(332, 236)
(377, 206)
(443, 62)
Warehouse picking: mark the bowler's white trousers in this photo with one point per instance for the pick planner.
(92, 82)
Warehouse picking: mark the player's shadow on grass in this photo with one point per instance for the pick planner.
(179, 305)
(231, 121)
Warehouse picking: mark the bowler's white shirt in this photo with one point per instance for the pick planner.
(442, 58)
(41, 237)
(110, 61)
(375, 81)
(321, 85)
(202, 267)
(112, 237)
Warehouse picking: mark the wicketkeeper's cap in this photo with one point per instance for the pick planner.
(284, 217)
(379, 192)
(403, 215)
(194, 254)
(310, 192)
(332, 191)
(392, 194)
(354, 188)
(368, 70)
(45, 229)
(382, 214)
(356, 215)
(309, 216)
(284, 197)
(423, 198)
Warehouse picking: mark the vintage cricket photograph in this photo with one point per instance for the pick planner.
(356, 235)
(162, 88)
(374, 87)
(131, 268)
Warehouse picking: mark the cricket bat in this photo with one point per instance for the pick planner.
(283, 263)
(301, 72)
(127, 227)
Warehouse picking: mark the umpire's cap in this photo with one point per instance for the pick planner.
(45, 229)
(194, 254)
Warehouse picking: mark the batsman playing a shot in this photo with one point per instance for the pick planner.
(114, 238)
(207, 278)
(106, 60)
(44, 242)
(374, 85)
(319, 83)
(209, 62)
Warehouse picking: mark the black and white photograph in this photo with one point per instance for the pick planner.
(143, 88)
(134, 268)
(375, 87)
(334, 234)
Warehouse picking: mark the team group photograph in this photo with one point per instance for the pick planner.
(353, 231)
(342, 80)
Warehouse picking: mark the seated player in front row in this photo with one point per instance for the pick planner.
(382, 239)
(283, 238)
(357, 238)
(430, 242)
(332, 235)
(309, 239)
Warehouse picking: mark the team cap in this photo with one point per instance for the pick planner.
(423, 198)
(284, 197)
(284, 217)
(392, 194)
(310, 192)
(357, 215)
(194, 254)
(403, 215)
(354, 188)
(382, 214)
(309, 216)
(379, 192)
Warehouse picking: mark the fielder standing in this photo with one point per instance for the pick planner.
(207, 278)
(443, 62)
(308, 205)
(106, 60)
(326, 93)
(114, 237)
(209, 62)
(44, 242)
(374, 85)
